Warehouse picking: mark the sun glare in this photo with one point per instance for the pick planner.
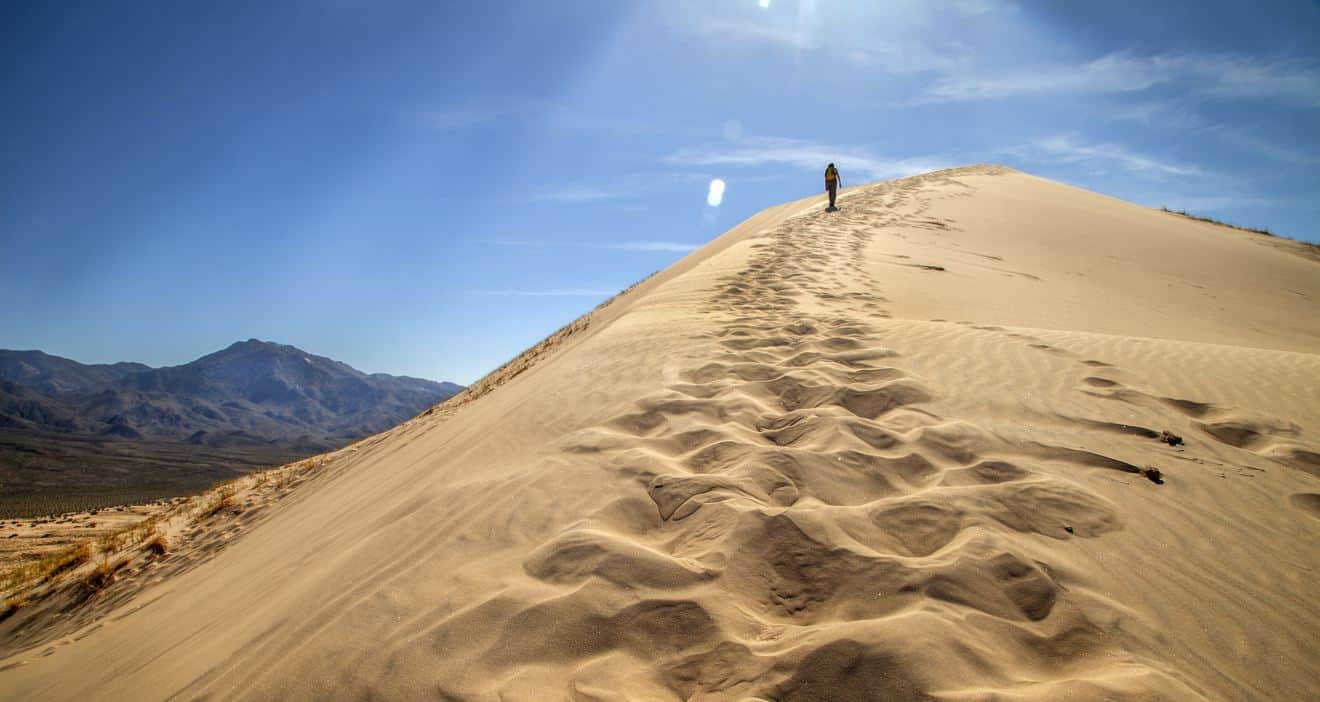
(716, 194)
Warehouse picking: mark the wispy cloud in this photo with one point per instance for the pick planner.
(1173, 117)
(793, 37)
(679, 246)
(891, 55)
(1252, 143)
(551, 292)
(1238, 76)
(549, 114)
(676, 246)
(620, 186)
(1115, 73)
(1068, 149)
(479, 111)
(801, 154)
(977, 8)
(1219, 76)
(1154, 113)
(583, 193)
(1203, 203)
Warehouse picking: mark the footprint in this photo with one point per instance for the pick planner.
(574, 556)
(1296, 458)
(1308, 502)
(985, 473)
(1189, 407)
(920, 527)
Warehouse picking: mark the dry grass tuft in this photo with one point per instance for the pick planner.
(57, 564)
(223, 500)
(158, 543)
(11, 607)
(103, 575)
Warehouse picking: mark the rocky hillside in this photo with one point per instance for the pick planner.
(254, 388)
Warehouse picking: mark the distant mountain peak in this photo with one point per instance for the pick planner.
(266, 389)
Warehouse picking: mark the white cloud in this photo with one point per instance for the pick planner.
(1244, 77)
(906, 37)
(547, 113)
(1220, 76)
(552, 292)
(679, 246)
(977, 8)
(478, 111)
(1261, 147)
(652, 246)
(1203, 203)
(1114, 73)
(582, 193)
(621, 186)
(1155, 113)
(1171, 116)
(754, 152)
(892, 57)
(1068, 149)
(526, 243)
(794, 37)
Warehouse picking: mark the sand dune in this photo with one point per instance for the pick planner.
(900, 451)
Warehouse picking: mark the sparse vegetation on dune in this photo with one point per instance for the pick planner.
(153, 535)
(1212, 220)
(111, 472)
(120, 554)
(161, 533)
(1303, 248)
(103, 575)
(223, 499)
(158, 544)
(49, 567)
(11, 606)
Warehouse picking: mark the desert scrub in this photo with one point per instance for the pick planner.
(11, 606)
(48, 567)
(102, 576)
(158, 543)
(54, 565)
(222, 500)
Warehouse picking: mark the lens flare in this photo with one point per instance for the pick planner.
(716, 194)
(764, 4)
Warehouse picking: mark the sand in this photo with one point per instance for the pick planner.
(893, 452)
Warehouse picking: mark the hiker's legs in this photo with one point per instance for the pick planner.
(834, 190)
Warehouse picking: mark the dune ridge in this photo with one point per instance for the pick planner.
(894, 452)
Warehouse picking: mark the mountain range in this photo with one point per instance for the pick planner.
(78, 436)
(252, 390)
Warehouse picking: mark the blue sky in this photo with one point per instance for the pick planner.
(429, 188)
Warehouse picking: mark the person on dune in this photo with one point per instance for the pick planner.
(831, 185)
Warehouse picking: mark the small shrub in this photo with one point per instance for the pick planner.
(103, 575)
(11, 606)
(54, 565)
(158, 544)
(223, 500)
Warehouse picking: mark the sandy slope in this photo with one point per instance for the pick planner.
(804, 464)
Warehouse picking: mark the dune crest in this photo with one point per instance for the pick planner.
(778, 471)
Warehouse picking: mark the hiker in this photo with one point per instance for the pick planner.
(832, 184)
